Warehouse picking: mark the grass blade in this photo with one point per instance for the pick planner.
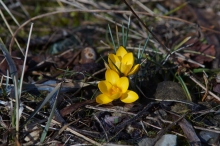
(14, 76)
(184, 87)
(113, 42)
(11, 64)
(6, 8)
(128, 27)
(9, 28)
(123, 35)
(181, 43)
(49, 96)
(44, 134)
(25, 60)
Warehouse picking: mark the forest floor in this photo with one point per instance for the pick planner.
(66, 67)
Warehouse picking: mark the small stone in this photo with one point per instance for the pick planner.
(169, 90)
(209, 137)
(88, 55)
(165, 140)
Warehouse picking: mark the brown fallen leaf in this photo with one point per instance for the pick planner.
(69, 109)
(189, 132)
(202, 52)
(18, 63)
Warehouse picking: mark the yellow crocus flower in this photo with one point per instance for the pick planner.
(114, 88)
(123, 62)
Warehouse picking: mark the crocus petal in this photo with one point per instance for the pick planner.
(103, 99)
(128, 59)
(111, 76)
(115, 96)
(125, 69)
(117, 67)
(121, 52)
(114, 62)
(123, 84)
(129, 97)
(134, 69)
(104, 87)
(112, 58)
(127, 63)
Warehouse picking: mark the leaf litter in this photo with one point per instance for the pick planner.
(62, 51)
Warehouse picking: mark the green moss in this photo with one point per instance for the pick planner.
(152, 134)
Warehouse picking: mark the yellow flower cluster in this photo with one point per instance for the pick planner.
(115, 87)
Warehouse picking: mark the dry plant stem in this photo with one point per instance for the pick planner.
(97, 119)
(18, 92)
(2, 60)
(144, 7)
(118, 132)
(98, 72)
(207, 129)
(146, 123)
(64, 127)
(180, 56)
(206, 85)
(99, 11)
(105, 44)
(6, 8)
(109, 110)
(25, 60)
(67, 140)
(13, 57)
(203, 112)
(142, 124)
(9, 28)
(23, 9)
(204, 88)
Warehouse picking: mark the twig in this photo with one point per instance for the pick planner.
(206, 85)
(206, 129)
(97, 119)
(109, 110)
(202, 86)
(160, 128)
